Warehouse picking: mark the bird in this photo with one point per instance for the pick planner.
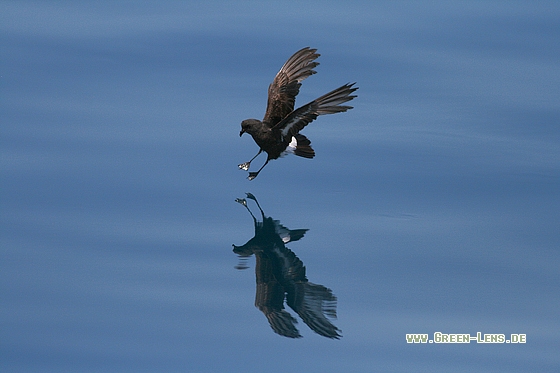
(278, 133)
(281, 278)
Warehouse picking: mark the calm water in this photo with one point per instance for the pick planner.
(432, 206)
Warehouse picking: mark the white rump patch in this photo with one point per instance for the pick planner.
(282, 231)
(291, 147)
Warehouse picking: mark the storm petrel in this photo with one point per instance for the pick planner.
(278, 133)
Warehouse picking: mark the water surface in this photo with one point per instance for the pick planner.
(432, 206)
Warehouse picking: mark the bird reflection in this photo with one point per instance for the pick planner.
(281, 276)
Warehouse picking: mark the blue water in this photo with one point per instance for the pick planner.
(432, 206)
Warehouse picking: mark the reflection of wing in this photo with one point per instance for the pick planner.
(313, 303)
(282, 323)
(284, 88)
(280, 276)
(269, 298)
(326, 104)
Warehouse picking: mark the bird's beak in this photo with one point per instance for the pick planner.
(241, 132)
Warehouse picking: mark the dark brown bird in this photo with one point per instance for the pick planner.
(278, 133)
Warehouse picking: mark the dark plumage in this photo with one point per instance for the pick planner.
(281, 278)
(278, 133)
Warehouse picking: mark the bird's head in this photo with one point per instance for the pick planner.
(244, 250)
(248, 125)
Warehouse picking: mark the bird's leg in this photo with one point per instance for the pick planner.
(253, 175)
(243, 201)
(245, 166)
(251, 196)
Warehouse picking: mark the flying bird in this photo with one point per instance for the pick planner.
(278, 133)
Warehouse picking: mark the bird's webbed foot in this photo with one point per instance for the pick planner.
(252, 175)
(244, 166)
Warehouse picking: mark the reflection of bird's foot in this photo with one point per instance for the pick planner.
(241, 201)
(251, 196)
(244, 166)
(252, 175)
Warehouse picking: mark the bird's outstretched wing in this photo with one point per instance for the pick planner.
(284, 88)
(270, 294)
(315, 304)
(270, 300)
(329, 103)
(283, 323)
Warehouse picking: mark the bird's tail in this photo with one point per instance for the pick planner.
(300, 146)
(303, 147)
